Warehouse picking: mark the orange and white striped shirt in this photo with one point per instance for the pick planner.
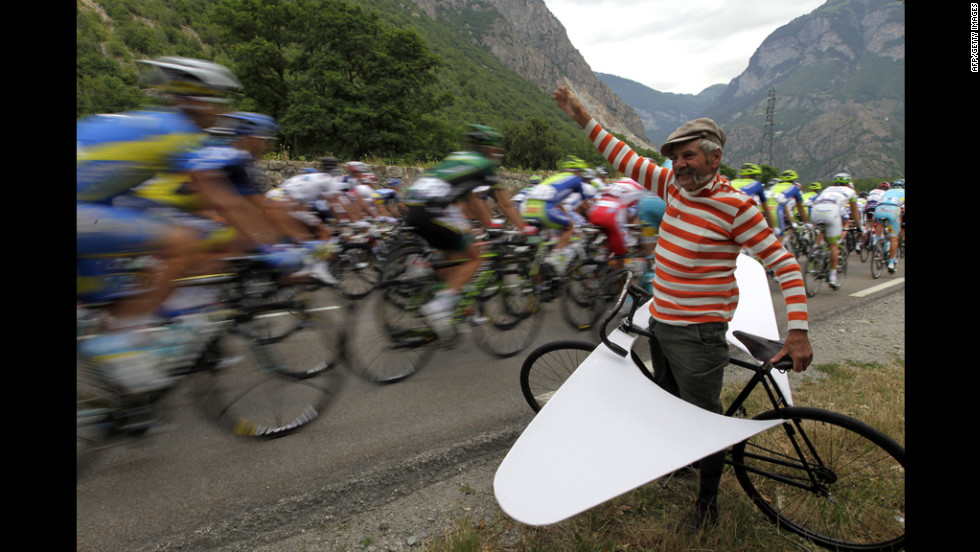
(701, 236)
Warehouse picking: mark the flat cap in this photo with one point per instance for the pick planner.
(698, 128)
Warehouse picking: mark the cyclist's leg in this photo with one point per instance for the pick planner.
(123, 353)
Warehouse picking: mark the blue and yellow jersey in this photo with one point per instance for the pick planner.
(116, 152)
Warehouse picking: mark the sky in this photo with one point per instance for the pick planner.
(673, 45)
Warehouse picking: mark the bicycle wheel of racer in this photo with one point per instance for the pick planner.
(267, 387)
(878, 259)
(829, 478)
(841, 269)
(96, 408)
(304, 310)
(865, 248)
(356, 270)
(388, 339)
(509, 315)
(811, 273)
(580, 298)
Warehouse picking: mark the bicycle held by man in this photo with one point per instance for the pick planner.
(825, 476)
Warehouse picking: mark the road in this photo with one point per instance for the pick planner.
(198, 488)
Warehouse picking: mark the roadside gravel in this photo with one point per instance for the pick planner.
(869, 331)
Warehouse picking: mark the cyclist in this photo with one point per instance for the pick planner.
(386, 200)
(308, 190)
(749, 184)
(827, 209)
(115, 154)
(611, 211)
(554, 200)
(874, 198)
(438, 203)
(785, 196)
(813, 191)
(891, 211)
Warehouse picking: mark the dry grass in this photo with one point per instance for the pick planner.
(639, 520)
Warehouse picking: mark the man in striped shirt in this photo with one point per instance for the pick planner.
(705, 226)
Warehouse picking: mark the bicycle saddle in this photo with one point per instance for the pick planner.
(763, 349)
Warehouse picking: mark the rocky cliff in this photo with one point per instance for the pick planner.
(529, 40)
(839, 79)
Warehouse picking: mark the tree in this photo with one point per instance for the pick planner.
(338, 79)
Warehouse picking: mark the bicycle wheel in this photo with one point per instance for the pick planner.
(96, 408)
(865, 248)
(547, 368)
(829, 478)
(588, 291)
(267, 388)
(509, 318)
(878, 259)
(388, 340)
(356, 270)
(841, 269)
(811, 265)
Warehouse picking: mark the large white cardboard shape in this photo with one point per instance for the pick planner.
(608, 430)
(755, 313)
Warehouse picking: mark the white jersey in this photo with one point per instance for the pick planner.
(364, 191)
(838, 195)
(308, 188)
(626, 191)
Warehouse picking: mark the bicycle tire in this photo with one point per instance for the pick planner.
(269, 388)
(388, 340)
(853, 500)
(510, 318)
(841, 269)
(546, 368)
(811, 273)
(865, 248)
(312, 310)
(96, 412)
(878, 259)
(356, 269)
(584, 299)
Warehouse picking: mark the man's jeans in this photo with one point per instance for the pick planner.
(689, 362)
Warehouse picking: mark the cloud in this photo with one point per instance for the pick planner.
(670, 46)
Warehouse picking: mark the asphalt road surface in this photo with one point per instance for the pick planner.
(196, 487)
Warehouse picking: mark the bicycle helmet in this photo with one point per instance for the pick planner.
(884, 186)
(482, 135)
(816, 186)
(244, 123)
(900, 183)
(393, 183)
(357, 167)
(842, 179)
(328, 164)
(193, 78)
(750, 169)
(788, 176)
(308, 170)
(574, 163)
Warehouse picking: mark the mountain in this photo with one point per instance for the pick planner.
(838, 75)
(839, 79)
(661, 112)
(527, 38)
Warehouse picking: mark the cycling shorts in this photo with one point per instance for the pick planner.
(829, 214)
(550, 215)
(889, 214)
(610, 216)
(448, 231)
